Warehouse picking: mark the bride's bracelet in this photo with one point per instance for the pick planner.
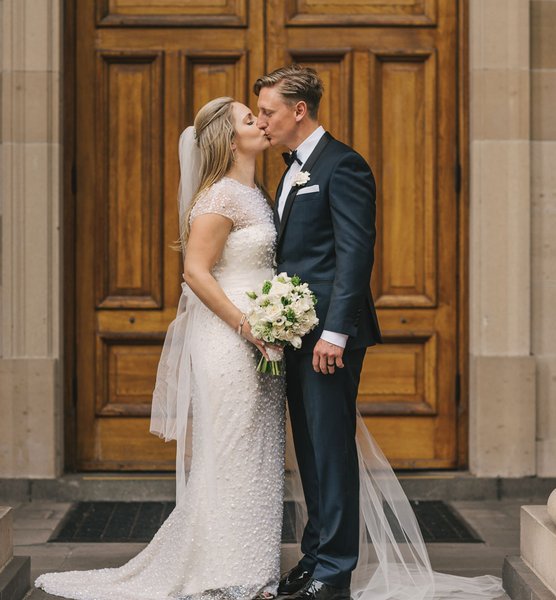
(240, 326)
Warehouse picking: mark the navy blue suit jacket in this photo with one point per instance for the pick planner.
(327, 237)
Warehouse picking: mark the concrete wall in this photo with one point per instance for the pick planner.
(512, 273)
(31, 268)
(543, 206)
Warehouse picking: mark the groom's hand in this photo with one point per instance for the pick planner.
(326, 357)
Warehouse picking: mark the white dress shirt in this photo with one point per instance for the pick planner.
(304, 150)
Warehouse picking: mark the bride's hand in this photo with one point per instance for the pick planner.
(246, 333)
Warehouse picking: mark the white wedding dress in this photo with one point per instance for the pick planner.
(222, 542)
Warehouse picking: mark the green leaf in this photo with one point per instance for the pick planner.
(267, 285)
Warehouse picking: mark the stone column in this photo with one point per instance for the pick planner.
(30, 205)
(502, 384)
(543, 152)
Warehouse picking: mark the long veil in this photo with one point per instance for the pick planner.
(393, 559)
(172, 393)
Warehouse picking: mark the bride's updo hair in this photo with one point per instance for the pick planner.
(214, 130)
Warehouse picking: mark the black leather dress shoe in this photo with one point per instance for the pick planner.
(317, 590)
(293, 581)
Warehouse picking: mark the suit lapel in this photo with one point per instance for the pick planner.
(307, 166)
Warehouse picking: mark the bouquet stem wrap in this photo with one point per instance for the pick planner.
(274, 365)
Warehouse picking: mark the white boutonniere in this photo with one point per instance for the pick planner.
(301, 178)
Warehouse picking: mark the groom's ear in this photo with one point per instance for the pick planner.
(300, 110)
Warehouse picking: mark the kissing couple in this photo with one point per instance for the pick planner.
(360, 537)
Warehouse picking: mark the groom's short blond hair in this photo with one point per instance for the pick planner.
(295, 83)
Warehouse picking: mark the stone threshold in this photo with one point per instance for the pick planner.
(425, 485)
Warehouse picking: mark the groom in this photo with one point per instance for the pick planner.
(325, 218)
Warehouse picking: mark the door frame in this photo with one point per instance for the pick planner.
(463, 232)
(69, 201)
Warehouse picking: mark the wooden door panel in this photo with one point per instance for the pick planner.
(362, 12)
(123, 445)
(125, 376)
(401, 378)
(403, 86)
(197, 13)
(130, 151)
(408, 443)
(209, 75)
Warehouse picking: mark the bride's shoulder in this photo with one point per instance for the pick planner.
(220, 198)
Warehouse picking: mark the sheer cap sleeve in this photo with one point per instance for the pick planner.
(220, 200)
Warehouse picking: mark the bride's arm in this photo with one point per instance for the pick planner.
(205, 245)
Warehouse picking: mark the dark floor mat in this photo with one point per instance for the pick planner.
(440, 523)
(139, 521)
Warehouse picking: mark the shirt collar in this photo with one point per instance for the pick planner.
(305, 149)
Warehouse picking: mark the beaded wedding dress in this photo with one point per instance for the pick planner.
(222, 541)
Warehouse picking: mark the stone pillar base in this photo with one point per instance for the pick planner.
(538, 544)
(6, 536)
(521, 583)
(502, 416)
(31, 426)
(15, 572)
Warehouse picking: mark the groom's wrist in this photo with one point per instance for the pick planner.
(338, 339)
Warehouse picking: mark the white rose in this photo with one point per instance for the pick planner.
(301, 178)
(280, 289)
(296, 341)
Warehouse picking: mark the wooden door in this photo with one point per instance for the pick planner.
(143, 70)
(389, 70)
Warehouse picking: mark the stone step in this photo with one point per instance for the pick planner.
(6, 538)
(427, 485)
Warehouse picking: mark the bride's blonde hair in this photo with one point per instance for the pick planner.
(214, 129)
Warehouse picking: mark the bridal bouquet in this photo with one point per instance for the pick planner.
(282, 312)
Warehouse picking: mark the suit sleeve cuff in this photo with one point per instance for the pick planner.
(338, 339)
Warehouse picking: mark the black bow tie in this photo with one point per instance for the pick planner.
(290, 158)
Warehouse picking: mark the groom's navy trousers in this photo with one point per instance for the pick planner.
(326, 236)
(322, 412)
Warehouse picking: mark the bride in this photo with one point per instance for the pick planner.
(222, 541)
(223, 538)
